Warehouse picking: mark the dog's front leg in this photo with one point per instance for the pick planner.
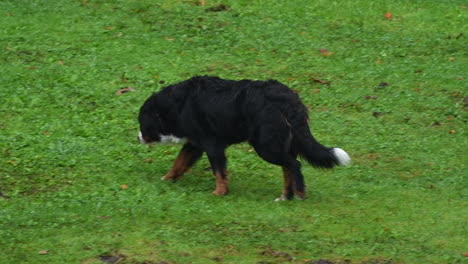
(188, 155)
(217, 159)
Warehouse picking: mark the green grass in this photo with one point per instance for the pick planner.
(396, 102)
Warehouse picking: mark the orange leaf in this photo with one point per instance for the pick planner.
(320, 81)
(388, 15)
(124, 186)
(203, 2)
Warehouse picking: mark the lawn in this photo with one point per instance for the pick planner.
(384, 80)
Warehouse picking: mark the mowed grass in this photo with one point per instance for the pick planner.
(384, 80)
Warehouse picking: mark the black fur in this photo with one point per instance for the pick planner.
(213, 113)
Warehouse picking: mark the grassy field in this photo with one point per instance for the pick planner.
(385, 80)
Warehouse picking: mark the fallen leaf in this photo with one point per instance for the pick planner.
(452, 59)
(61, 62)
(389, 16)
(149, 160)
(320, 81)
(218, 8)
(383, 84)
(124, 186)
(465, 254)
(326, 52)
(124, 90)
(168, 38)
(109, 28)
(8, 13)
(218, 258)
(377, 114)
(111, 259)
(452, 131)
(202, 2)
(316, 90)
(43, 252)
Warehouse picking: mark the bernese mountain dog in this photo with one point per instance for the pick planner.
(208, 114)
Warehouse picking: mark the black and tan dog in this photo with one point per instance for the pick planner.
(208, 114)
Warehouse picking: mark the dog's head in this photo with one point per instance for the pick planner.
(151, 126)
(154, 127)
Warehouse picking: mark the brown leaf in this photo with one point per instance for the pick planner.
(168, 38)
(389, 16)
(320, 81)
(43, 252)
(124, 186)
(149, 160)
(202, 2)
(218, 8)
(8, 13)
(452, 131)
(124, 90)
(326, 52)
(377, 114)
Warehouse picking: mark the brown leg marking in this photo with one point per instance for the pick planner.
(181, 165)
(288, 190)
(221, 183)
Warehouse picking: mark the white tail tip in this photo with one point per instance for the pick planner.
(342, 157)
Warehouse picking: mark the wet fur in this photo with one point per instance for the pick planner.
(213, 113)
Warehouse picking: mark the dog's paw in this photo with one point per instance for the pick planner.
(168, 178)
(281, 198)
(220, 192)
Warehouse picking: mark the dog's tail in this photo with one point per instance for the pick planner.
(316, 154)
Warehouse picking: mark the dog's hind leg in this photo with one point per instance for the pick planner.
(273, 144)
(188, 155)
(288, 190)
